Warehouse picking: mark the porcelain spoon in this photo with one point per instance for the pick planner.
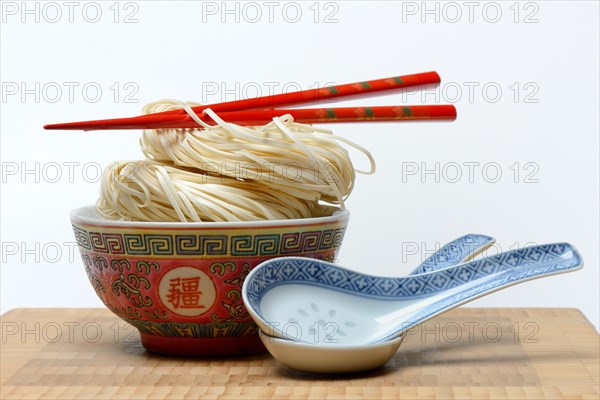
(353, 311)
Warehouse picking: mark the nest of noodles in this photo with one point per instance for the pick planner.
(227, 172)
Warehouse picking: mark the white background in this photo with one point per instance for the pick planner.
(533, 108)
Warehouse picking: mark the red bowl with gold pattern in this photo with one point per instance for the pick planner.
(179, 283)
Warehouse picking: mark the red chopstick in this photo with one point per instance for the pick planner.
(357, 89)
(261, 117)
(353, 90)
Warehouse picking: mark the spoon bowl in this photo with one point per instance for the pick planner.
(330, 360)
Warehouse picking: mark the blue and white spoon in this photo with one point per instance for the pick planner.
(312, 303)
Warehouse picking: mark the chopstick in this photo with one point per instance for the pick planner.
(348, 90)
(353, 90)
(261, 117)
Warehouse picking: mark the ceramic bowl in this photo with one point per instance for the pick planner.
(180, 283)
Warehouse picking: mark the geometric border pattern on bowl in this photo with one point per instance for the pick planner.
(185, 244)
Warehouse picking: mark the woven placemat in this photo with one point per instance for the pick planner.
(466, 353)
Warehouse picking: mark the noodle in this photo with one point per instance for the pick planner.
(227, 172)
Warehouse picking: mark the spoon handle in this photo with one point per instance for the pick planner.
(493, 274)
(458, 251)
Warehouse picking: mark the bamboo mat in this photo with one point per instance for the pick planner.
(466, 353)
